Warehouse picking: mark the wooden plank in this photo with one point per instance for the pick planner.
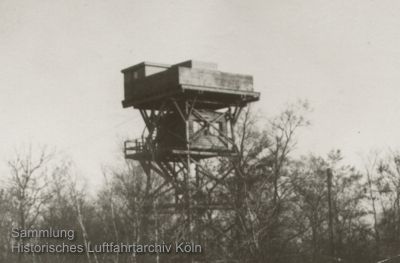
(215, 79)
(220, 90)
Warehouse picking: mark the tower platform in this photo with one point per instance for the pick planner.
(147, 85)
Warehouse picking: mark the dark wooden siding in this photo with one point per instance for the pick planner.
(172, 132)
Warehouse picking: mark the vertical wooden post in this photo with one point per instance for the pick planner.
(233, 116)
(330, 214)
(188, 177)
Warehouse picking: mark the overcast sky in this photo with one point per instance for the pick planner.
(61, 84)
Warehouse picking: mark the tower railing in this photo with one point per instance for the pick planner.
(135, 146)
(140, 145)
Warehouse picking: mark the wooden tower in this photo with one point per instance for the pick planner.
(190, 110)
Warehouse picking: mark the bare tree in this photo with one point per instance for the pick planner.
(389, 192)
(261, 168)
(28, 183)
(373, 180)
(5, 224)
